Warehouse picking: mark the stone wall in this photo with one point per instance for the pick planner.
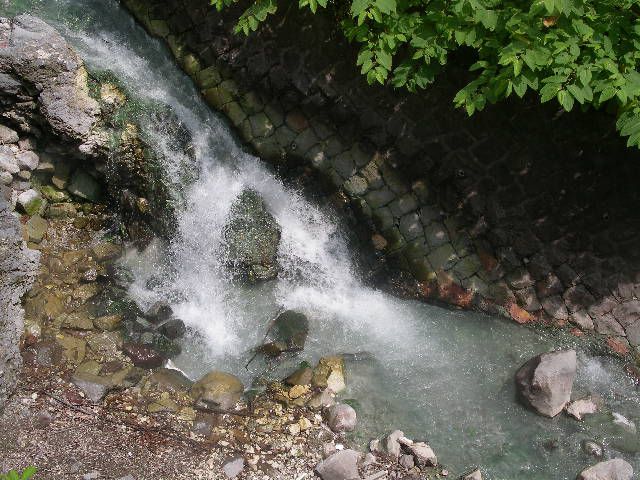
(522, 210)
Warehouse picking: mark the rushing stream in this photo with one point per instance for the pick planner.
(442, 376)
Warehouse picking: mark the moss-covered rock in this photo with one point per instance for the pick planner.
(252, 237)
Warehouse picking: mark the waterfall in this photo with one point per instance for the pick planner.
(444, 376)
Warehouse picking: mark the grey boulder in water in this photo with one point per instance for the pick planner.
(616, 469)
(252, 237)
(545, 381)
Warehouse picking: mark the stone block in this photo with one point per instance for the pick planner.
(436, 234)
(356, 186)
(382, 218)
(403, 205)
(528, 300)
(208, 78)
(443, 257)
(344, 165)
(261, 126)
(379, 198)
(467, 267)
(410, 226)
(234, 112)
(554, 306)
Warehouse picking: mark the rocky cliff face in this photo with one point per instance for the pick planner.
(18, 268)
(522, 211)
(58, 158)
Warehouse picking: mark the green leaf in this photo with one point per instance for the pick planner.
(565, 99)
(359, 6)
(386, 6)
(28, 473)
(607, 94)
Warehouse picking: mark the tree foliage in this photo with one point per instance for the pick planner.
(578, 53)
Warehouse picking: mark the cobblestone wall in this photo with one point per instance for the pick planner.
(522, 210)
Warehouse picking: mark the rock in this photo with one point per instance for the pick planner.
(8, 161)
(302, 376)
(389, 445)
(29, 202)
(320, 400)
(233, 467)
(545, 381)
(77, 321)
(252, 237)
(341, 418)
(27, 160)
(167, 380)
(143, 356)
(38, 54)
(84, 186)
(106, 251)
(342, 465)
(36, 228)
(203, 424)
(423, 454)
(8, 135)
(173, 329)
(94, 386)
(592, 448)
(616, 469)
(475, 475)
(406, 461)
(290, 328)
(329, 373)
(218, 388)
(61, 210)
(5, 178)
(159, 312)
(54, 195)
(579, 408)
(108, 323)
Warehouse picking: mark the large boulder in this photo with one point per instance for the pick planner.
(545, 381)
(35, 52)
(251, 238)
(218, 389)
(616, 469)
(342, 465)
(288, 333)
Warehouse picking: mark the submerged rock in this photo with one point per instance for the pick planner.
(252, 237)
(302, 376)
(545, 382)
(616, 469)
(342, 465)
(218, 388)
(475, 475)
(579, 408)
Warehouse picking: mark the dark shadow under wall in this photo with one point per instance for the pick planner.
(521, 210)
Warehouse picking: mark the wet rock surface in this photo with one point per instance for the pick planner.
(252, 238)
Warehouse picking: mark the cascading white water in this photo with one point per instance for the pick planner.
(443, 376)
